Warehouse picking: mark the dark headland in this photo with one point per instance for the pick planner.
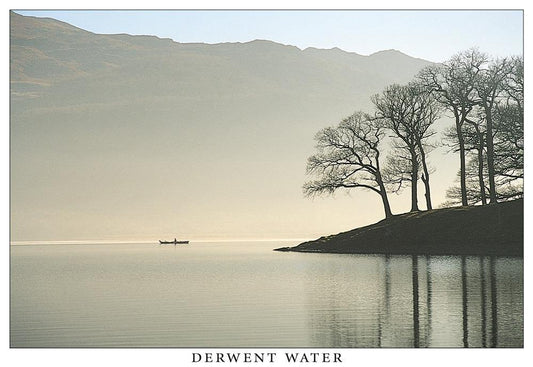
(495, 229)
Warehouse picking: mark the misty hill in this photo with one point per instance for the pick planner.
(139, 123)
(47, 56)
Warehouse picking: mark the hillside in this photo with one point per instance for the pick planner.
(51, 59)
(49, 52)
(478, 230)
(134, 134)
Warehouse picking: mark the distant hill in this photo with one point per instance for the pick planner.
(124, 109)
(48, 56)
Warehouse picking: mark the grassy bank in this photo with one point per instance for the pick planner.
(475, 230)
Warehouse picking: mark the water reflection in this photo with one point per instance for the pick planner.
(245, 295)
(418, 301)
(493, 299)
(416, 316)
(465, 301)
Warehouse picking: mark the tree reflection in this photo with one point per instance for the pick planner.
(483, 302)
(416, 316)
(465, 301)
(397, 301)
(428, 297)
(493, 302)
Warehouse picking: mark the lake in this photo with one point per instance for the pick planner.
(243, 294)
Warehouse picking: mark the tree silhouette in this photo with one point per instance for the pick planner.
(349, 157)
(485, 97)
(409, 111)
(493, 129)
(509, 130)
(453, 85)
(489, 86)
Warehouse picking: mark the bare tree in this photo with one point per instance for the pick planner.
(426, 112)
(475, 135)
(453, 194)
(488, 111)
(349, 157)
(453, 85)
(486, 100)
(508, 141)
(398, 170)
(489, 86)
(506, 191)
(509, 127)
(409, 111)
(394, 107)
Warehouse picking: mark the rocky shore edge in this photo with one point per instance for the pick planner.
(489, 230)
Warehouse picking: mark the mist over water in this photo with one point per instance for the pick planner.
(243, 294)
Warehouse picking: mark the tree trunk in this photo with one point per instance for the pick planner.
(427, 194)
(386, 205)
(414, 180)
(480, 170)
(384, 197)
(458, 125)
(425, 177)
(490, 154)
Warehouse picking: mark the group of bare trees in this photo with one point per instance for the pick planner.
(485, 99)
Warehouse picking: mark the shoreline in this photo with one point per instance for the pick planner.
(489, 230)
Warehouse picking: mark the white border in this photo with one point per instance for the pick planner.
(182, 357)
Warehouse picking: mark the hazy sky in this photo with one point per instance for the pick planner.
(431, 35)
(126, 198)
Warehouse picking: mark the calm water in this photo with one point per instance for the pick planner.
(246, 295)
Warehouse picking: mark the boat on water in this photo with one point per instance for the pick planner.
(175, 242)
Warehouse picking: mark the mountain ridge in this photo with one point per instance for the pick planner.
(142, 124)
(23, 39)
(65, 25)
